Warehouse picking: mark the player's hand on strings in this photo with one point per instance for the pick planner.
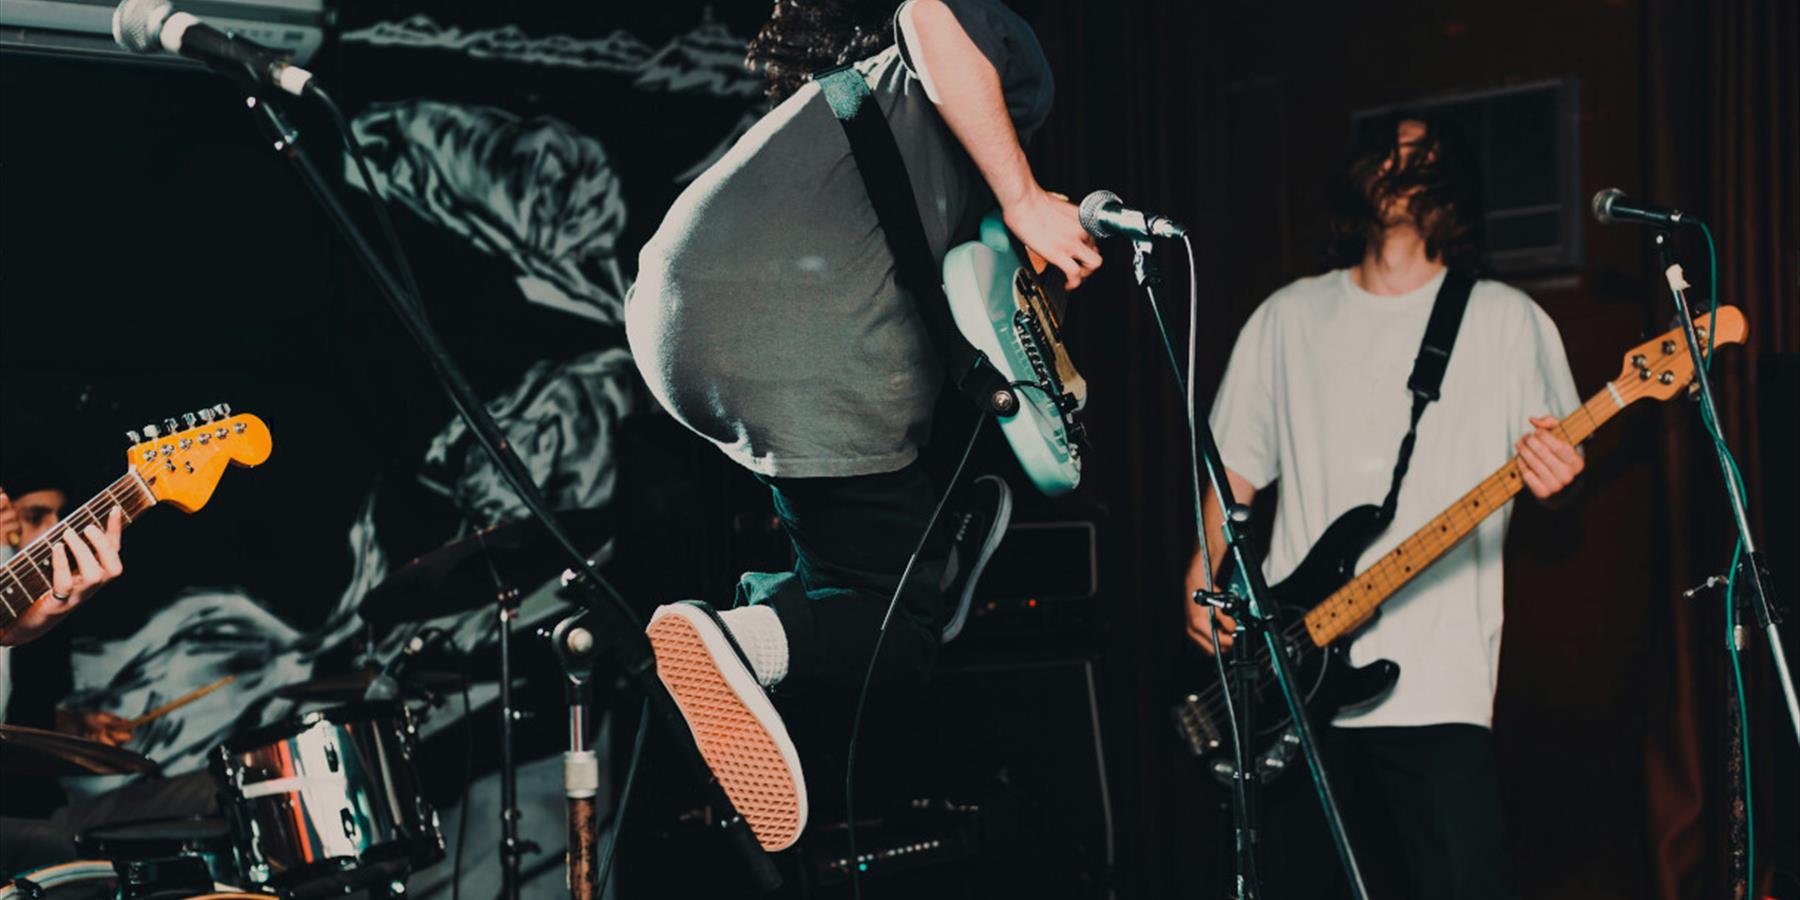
(1050, 226)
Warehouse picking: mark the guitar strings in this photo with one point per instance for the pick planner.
(1209, 699)
(40, 554)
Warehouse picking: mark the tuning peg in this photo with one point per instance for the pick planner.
(150, 430)
(223, 409)
(189, 419)
(133, 437)
(170, 425)
(206, 415)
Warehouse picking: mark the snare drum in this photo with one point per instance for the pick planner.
(328, 798)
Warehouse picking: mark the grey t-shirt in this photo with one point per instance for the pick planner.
(765, 314)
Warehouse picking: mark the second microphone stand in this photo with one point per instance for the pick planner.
(1251, 610)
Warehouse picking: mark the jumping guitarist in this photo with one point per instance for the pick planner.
(766, 317)
(1316, 397)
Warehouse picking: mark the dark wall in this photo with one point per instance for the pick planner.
(1232, 116)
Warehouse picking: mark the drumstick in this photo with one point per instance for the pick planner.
(178, 703)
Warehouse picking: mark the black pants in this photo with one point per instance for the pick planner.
(852, 537)
(1421, 804)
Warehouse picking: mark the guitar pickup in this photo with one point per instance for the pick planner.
(1195, 727)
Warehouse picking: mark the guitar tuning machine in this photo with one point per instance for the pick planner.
(151, 431)
(222, 409)
(189, 419)
(206, 414)
(170, 425)
(133, 437)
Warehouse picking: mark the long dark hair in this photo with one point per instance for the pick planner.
(804, 36)
(1447, 209)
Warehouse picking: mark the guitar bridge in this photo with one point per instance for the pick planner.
(1195, 727)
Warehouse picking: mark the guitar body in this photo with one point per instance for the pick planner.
(1325, 603)
(1327, 681)
(1006, 311)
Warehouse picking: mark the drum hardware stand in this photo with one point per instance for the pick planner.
(1753, 575)
(575, 651)
(620, 636)
(506, 608)
(1251, 612)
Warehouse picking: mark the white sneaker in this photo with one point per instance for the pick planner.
(736, 727)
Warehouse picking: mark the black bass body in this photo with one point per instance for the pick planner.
(1327, 682)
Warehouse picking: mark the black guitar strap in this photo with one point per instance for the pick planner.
(890, 192)
(1428, 370)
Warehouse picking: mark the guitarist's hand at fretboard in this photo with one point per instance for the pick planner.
(81, 561)
(1547, 461)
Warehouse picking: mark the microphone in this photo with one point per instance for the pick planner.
(386, 683)
(1612, 207)
(149, 26)
(1104, 215)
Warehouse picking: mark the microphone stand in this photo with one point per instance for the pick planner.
(1753, 572)
(575, 650)
(620, 635)
(1250, 610)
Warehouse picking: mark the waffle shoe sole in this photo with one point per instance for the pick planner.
(735, 726)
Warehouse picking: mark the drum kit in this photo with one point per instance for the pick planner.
(327, 802)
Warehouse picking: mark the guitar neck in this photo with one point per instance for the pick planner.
(1355, 602)
(26, 576)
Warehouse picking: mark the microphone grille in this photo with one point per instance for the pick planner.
(1091, 205)
(1603, 202)
(137, 24)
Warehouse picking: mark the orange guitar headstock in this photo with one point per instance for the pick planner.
(182, 464)
(1662, 367)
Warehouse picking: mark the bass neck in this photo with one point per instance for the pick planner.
(1352, 605)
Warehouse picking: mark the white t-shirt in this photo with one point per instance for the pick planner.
(1315, 396)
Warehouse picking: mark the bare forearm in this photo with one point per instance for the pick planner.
(1212, 518)
(968, 94)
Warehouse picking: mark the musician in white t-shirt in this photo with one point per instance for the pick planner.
(1315, 398)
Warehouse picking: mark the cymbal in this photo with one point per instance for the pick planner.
(34, 751)
(351, 687)
(460, 575)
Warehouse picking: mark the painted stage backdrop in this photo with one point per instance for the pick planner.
(527, 150)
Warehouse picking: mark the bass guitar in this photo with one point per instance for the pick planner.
(177, 466)
(1322, 606)
(1005, 306)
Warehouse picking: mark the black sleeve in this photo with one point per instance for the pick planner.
(1009, 43)
(42, 675)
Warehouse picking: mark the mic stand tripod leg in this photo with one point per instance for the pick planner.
(1236, 530)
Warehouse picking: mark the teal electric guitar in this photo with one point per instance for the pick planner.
(1009, 305)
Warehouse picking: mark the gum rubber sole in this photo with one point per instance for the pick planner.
(735, 726)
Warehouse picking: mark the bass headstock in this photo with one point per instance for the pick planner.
(1661, 367)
